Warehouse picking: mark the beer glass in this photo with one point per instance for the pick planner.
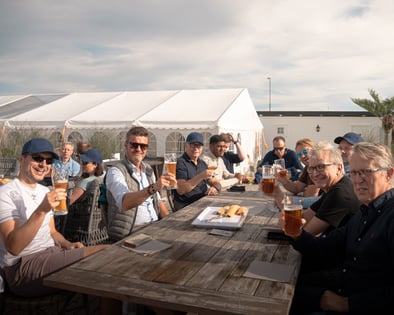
(293, 215)
(268, 179)
(281, 163)
(280, 168)
(213, 165)
(170, 165)
(60, 180)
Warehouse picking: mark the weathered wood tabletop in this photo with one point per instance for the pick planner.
(199, 273)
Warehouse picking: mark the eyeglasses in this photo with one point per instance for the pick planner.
(319, 168)
(302, 152)
(279, 149)
(85, 163)
(38, 158)
(196, 145)
(135, 145)
(367, 172)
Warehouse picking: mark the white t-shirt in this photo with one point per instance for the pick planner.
(18, 202)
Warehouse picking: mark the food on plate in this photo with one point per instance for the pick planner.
(230, 211)
(242, 211)
(222, 211)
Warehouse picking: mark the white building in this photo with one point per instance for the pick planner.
(324, 125)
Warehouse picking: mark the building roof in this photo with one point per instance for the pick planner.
(315, 113)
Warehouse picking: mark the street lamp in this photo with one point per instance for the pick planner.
(269, 93)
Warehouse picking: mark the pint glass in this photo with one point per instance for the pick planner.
(268, 179)
(170, 165)
(60, 180)
(293, 215)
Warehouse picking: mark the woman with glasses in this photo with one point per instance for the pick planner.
(91, 163)
(362, 251)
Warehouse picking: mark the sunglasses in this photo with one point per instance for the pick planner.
(38, 158)
(302, 152)
(135, 145)
(279, 149)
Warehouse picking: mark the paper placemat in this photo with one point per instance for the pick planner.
(269, 271)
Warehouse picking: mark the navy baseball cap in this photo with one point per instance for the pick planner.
(195, 137)
(92, 155)
(39, 145)
(350, 137)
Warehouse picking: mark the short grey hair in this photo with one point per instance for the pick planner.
(326, 146)
(379, 154)
(68, 143)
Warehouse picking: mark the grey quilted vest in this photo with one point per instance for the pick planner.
(121, 222)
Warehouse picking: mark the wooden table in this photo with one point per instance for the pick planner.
(200, 273)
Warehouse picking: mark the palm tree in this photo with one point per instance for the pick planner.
(380, 108)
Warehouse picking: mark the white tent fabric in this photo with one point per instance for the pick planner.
(161, 112)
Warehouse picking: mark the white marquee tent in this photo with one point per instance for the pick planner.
(209, 111)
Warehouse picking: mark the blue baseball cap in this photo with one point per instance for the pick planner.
(92, 155)
(350, 137)
(39, 145)
(195, 137)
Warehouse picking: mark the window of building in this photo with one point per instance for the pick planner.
(175, 143)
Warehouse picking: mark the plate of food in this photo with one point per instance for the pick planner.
(229, 217)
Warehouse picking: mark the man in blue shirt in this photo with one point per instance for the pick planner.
(66, 161)
(192, 174)
(281, 152)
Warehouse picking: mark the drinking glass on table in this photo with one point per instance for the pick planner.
(268, 186)
(170, 165)
(249, 174)
(268, 179)
(60, 180)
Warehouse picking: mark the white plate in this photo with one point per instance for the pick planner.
(209, 219)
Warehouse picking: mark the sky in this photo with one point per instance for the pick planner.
(318, 54)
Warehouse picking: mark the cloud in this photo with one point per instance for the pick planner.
(318, 54)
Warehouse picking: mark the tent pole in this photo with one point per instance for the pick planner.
(2, 133)
(63, 132)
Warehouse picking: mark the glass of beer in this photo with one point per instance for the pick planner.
(268, 179)
(293, 214)
(170, 165)
(213, 166)
(60, 180)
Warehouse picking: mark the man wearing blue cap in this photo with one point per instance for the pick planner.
(27, 227)
(192, 173)
(345, 145)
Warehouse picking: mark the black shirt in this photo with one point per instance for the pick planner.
(365, 246)
(186, 169)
